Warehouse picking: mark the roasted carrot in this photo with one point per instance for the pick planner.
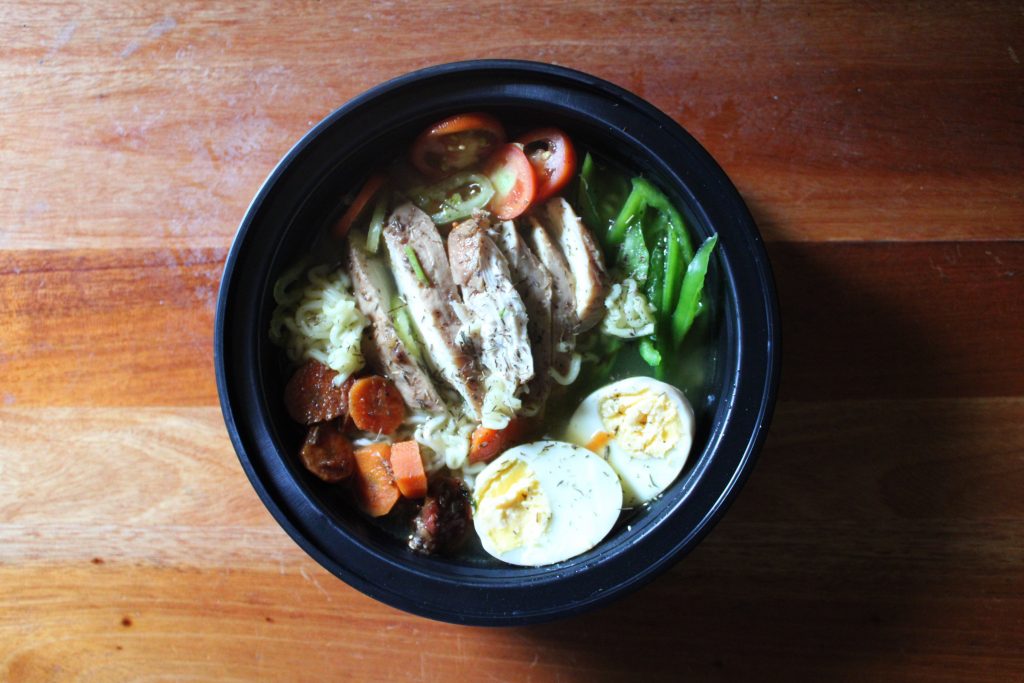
(327, 453)
(358, 204)
(407, 466)
(375, 405)
(375, 486)
(311, 396)
(487, 444)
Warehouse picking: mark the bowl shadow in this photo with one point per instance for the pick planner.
(832, 552)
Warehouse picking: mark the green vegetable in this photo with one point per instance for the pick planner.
(690, 293)
(654, 224)
(416, 267)
(638, 225)
(404, 327)
(646, 195)
(601, 194)
(649, 352)
(376, 224)
(673, 276)
(656, 274)
(675, 222)
(454, 198)
(633, 255)
(585, 198)
(632, 211)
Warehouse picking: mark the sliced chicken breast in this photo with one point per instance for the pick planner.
(421, 271)
(563, 302)
(374, 293)
(583, 256)
(479, 267)
(533, 283)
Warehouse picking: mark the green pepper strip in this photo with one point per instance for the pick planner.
(601, 194)
(631, 211)
(656, 273)
(633, 254)
(660, 202)
(404, 327)
(416, 267)
(376, 224)
(587, 203)
(645, 195)
(649, 352)
(673, 276)
(445, 204)
(689, 296)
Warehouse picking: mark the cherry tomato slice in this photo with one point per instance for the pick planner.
(456, 143)
(515, 183)
(553, 158)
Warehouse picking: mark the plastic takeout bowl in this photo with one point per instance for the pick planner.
(302, 195)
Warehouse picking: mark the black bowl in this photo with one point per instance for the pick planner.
(301, 197)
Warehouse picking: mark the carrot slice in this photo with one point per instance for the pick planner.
(484, 445)
(373, 183)
(487, 444)
(407, 466)
(375, 405)
(598, 441)
(375, 486)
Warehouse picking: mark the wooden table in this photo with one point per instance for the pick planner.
(881, 150)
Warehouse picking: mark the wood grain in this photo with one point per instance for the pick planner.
(859, 320)
(173, 491)
(837, 529)
(884, 320)
(107, 327)
(913, 128)
(880, 148)
(243, 625)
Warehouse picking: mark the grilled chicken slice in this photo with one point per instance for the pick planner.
(374, 295)
(533, 282)
(590, 277)
(498, 314)
(563, 302)
(424, 279)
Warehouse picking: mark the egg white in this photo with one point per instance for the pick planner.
(643, 476)
(583, 494)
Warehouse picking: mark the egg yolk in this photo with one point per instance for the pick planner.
(513, 507)
(643, 422)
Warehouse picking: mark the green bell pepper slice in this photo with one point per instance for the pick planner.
(690, 292)
(454, 198)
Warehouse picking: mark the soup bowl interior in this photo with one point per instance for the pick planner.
(733, 360)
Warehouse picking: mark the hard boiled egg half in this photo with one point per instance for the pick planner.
(545, 502)
(643, 427)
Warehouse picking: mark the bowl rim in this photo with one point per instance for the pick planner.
(727, 200)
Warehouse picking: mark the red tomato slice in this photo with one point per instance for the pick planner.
(515, 183)
(373, 183)
(456, 143)
(553, 158)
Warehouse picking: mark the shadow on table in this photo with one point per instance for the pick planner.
(828, 560)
